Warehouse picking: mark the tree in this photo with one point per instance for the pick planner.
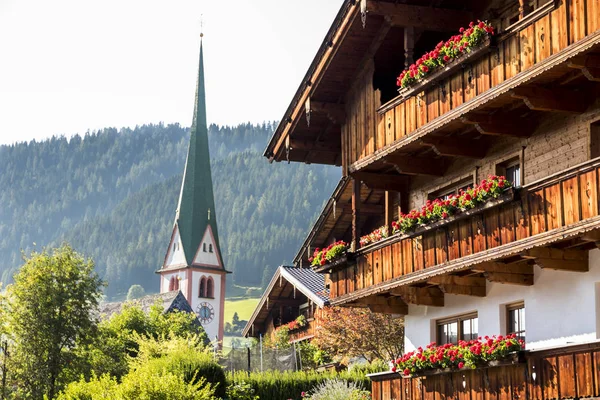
(235, 321)
(355, 332)
(135, 292)
(51, 309)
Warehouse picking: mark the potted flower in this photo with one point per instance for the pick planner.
(331, 253)
(445, 53)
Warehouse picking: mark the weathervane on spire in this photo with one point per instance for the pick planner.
(201, 26)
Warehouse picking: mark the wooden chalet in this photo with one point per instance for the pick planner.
(524, 104)
(292, 292)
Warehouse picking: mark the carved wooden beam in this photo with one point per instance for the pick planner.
(429, 296)
(520, 273)
(559, 259)
(306, 145)
(416, 165)
(454, 147)
(381, 181)
(384, 305)
(593, 236)
(557, 99)
(365, 209)
(334, 111)
(431, 18)
(467, 286)
(499, 125)
(589, 66)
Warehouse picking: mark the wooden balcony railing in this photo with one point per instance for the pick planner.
(304, 333)
(569, 372)
(546, 32)
(561, 207)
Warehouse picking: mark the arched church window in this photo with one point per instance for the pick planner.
(204, 247)
(172, 284)
(210, 288)
(177, 283)
(202, 289)
(210, 250)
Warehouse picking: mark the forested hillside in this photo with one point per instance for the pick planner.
(113, 194)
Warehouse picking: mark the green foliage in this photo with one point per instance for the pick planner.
(112, 194)
(138, 385)
(119, 336)
(337, 389)
(184, 357)
(135, 292)
(274, 385)
(174, 368)
(241, 391)
(312, 356)
(51, 304)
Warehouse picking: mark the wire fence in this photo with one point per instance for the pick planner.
(259, 358)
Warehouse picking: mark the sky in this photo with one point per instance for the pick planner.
(69, 66)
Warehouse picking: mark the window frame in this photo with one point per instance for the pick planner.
(453, 188)
(458, 319)
(510, 308)
(509, 162)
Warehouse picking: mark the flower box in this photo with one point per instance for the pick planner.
(517, 357)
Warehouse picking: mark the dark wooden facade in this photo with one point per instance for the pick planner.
(567, 373)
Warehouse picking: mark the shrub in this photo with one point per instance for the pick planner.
(241, 391)
(275, 385)
(338, 389)
(183, 357)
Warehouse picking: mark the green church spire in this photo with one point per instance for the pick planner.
(196, 209)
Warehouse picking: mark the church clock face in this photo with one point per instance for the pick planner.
(206, 312)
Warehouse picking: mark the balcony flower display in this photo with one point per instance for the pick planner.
(329, 254)
(439, 209)
(446, 52)
(375, 236)
(469, 354)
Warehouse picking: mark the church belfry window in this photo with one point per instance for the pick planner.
(210, 288)
(202, 288)
(210, 249)
(204, 247)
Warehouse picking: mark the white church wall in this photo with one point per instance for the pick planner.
(175, 255)
(560, 308)
(212, 328)
(207, 251)
(166, 279)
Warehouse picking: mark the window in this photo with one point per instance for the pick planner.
(172, 284)
(511, 170)
(210, 288)
(515, 319)
(453, 189)
(595, 140)
(451, 330)
(210, 249)
(522, 8)
(204, 247)
(202, 288)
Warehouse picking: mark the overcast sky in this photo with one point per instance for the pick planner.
(67, 66)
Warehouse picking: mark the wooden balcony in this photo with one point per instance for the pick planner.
(552, 223)
(486, 94)
(569, 372)
(305, 333)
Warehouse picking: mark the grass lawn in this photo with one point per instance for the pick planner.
(244, 308)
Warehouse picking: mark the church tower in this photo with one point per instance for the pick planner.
(193, 263)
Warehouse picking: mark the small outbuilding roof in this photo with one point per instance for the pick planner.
(289, 285)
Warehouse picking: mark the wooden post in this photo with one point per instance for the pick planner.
(355, 245)
(409, 46)
(389, 209)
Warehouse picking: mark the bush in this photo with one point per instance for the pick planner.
(138, 385)
(183, 357)
(274, 385)
(241, 391)
(338, 389)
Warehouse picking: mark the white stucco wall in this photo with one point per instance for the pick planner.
(175, 255)
(206, 257)
(560, 308)
(212, 328)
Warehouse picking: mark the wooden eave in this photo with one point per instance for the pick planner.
(285, 289)
(341, 56)
(506, 101)
(335, 221)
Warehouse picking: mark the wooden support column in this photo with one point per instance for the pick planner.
(355, 245)
(409, 46)
(389, 209)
